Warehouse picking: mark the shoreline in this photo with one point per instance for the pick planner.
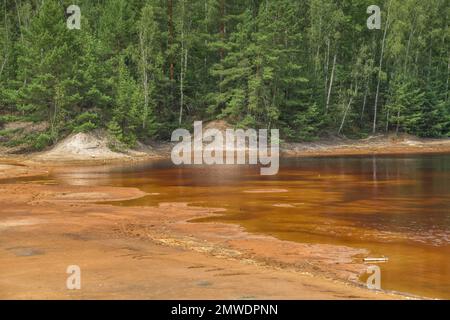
(376, 145)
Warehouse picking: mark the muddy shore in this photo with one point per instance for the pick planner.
(158, 252)
(93, 152)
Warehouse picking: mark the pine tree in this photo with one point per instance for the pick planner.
(48, 58)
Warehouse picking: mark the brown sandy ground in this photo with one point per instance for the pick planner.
(152, 252)
(382, 144)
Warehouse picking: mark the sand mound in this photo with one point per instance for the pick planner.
(82, 146)
(220, 125)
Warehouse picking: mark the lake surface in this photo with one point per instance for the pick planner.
(394, 206)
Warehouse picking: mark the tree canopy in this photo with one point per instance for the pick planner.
(141, 68)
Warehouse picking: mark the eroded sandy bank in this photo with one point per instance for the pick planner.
(82, 149)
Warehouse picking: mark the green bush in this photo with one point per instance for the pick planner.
(115, 130)
(87, 117)
(7, 133)
(8, 118)
(42, 141)
(85, 127)
(130, 140)
(306, 124)
(85, 122)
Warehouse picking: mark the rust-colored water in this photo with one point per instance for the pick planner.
(396, 206)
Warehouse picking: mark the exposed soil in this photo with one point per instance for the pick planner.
(404, 144)
(382, 144)
(153, 252)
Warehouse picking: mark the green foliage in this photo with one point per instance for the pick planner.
(136, 68)
(30, 141)
(42, 141)
(46, 58)
(85, 122)
(7, 133)
(308, 124)
(115, 130)
(9, 118)
(85, 127)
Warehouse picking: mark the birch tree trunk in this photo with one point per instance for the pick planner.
(387, 120)
(5, 58)
(375, 109)
(348, 108)
(222, 31)
(448, 76)
(144, 76)
(183, 64)
(331, 83)
(171, 38)
(364, 101)
(327, 63)
(405, 66)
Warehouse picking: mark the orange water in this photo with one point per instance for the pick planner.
(396, 206)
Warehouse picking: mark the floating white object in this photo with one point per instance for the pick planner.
(382, 259)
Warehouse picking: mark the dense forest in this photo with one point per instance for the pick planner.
(141, 68)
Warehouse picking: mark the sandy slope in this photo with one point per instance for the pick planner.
(84, 146)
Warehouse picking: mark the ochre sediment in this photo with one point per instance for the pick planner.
(152, 252)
